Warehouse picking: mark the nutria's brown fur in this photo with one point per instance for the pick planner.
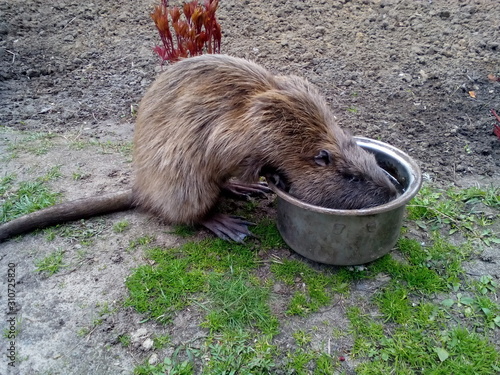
(212, 117)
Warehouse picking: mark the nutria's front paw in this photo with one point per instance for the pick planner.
(244, 191)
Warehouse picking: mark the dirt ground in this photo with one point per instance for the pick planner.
(413, 73)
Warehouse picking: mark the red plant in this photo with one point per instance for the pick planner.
(195, 29)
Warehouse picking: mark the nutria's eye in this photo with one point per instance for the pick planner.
(323, 158)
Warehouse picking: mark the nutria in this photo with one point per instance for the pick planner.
(209, 118)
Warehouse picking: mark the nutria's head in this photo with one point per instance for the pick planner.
(303, 148)
(342, 177)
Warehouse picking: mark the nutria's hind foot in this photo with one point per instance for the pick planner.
(244, 191)
(228, 227)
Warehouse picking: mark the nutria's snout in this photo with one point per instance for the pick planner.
(379, 188)
(344, 189)
(360, 182)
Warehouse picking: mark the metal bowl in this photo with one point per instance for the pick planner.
(350, 237)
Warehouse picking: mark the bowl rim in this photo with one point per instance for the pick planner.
(413, 187)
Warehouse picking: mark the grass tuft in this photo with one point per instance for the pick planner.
(51, 264)
(235, 305)
(458, 210)
(320, 285)
(30, 197)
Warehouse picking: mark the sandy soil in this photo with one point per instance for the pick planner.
(413, 73)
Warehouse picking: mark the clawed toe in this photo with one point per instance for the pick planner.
(229, 228)
(243, 191)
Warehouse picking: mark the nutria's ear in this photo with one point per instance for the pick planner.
(323, 158)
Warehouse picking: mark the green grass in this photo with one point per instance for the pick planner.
(268, 235)
(32, 143)
(183, 231)
(6, 183)
(108, 147)
(140, 241)
(320, 285)
(325, 365)
(429, 311)
(458, 210)
(425, 316)
(301, 337)
(160, 342)
(29, 196)
(231, 353)
(235, 304)
(429, 269)
(125, 340)
(51, 264)
(457, 351)
(84, 232)
(305, 362)
(53, 174)
(121, 226)
(164, 288)
(79, 175)
(298, 361)
(180, 273)
(168, 366)
(420, 341)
